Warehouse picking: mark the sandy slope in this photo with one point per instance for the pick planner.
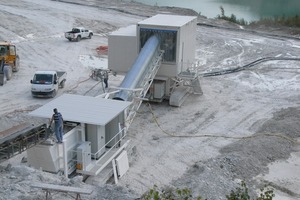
(251, 103)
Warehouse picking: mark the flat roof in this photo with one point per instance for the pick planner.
(45, 72)
(128, 31)
(167, 20)
(5, 43)
(83, 109)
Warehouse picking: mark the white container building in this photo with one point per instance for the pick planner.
(177, 35)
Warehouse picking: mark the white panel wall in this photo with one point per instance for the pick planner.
(122, 51)
(186, 39)
(124, 45)
(44, 157)
(187, 46)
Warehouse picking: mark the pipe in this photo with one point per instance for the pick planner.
(138, 70)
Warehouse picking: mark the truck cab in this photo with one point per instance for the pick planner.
(47, 83)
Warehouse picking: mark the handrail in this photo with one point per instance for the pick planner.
(113, 138)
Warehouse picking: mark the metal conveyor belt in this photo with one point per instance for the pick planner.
(140, 76)
(14, 143)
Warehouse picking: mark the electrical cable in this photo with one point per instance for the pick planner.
(240, 68)
(221, 136)
(80, 83)
(92, 87)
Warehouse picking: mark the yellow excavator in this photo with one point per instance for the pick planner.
(8, 53)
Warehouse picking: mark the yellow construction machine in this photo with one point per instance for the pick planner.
(8, 53)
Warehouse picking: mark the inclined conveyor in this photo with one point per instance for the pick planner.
(142, 71)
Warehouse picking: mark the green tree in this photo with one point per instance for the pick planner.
(240, 193)
(169, 194)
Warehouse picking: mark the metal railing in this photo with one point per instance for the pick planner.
(116, 140)
(23, 141)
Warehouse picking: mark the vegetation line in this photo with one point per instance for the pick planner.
(293, 21)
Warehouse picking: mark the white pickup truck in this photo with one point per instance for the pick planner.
(47, 83)
(78, 33)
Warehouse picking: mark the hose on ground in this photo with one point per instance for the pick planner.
(240, 68)
(278, 135)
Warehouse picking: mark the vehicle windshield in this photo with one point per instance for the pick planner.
(3, 50)
(76, 30)
(42, 79)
